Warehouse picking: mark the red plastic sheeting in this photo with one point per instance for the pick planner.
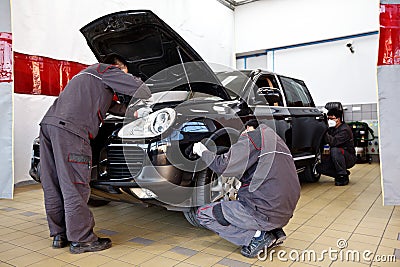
(5, 57)
(42, 75)
(389, 39)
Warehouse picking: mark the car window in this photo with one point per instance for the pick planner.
(271, 97)
(296, 92)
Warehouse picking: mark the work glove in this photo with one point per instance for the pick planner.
(199, 148)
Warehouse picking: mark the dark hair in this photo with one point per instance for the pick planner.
(251, 123)
(335, 112)
(114, 58)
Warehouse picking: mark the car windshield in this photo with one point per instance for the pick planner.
(180, 96)
(234, 81)
(191, 77)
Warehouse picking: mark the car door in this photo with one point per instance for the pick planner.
(270, 109)
(308, 123)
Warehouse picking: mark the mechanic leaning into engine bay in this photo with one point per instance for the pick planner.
(65, 151)
(268, 195)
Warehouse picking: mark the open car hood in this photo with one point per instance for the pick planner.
(150, 47)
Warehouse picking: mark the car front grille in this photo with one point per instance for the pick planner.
(124, 161)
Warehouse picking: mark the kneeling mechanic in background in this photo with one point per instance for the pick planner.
(342, 155)
(268, 194)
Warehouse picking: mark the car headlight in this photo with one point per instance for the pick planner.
(152, 125)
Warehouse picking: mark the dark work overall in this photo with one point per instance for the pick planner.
(65, 166)
(269, 191)
(65, 152)
(342, 154)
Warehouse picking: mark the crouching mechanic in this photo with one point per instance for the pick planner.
(65, 151)
(268, 194)
(342, 155)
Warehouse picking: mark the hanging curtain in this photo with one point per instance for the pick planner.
(389, 95)
(6, 102)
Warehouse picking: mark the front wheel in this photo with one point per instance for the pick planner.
(211, 188)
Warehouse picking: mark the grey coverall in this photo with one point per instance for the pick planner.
(342, 154)
(269, 192)
(65, 151)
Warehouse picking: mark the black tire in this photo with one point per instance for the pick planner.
(202, 193)
(190, 216)
(97, 202)
(310, 174)
(201, 196)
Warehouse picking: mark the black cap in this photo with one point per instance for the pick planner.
(252, 123)
(335, 112)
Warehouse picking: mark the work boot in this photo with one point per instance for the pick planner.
(60, 241)
(342, 180)
(257, 244)
(81, 247)
(280, 236)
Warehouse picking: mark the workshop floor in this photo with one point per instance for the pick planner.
(326, 217)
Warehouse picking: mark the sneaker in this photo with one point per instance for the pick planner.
(280, 236)
(81, 247)
(257, 244)
(342, 180)
(60, 241)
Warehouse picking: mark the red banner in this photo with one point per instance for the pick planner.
(389, 40)
(42, 75)
(5, 57)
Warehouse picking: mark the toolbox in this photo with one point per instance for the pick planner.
(363, 135)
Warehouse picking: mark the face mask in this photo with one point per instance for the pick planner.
(331, 123)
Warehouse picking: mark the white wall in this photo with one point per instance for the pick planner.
(330, 71)
(51, 28)
(273, 23)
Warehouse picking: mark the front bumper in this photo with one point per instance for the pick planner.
(125, 168)
(152, 185)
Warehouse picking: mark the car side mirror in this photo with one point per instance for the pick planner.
(272, 95)
(243, 104)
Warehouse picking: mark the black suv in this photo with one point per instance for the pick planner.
(145, 157)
